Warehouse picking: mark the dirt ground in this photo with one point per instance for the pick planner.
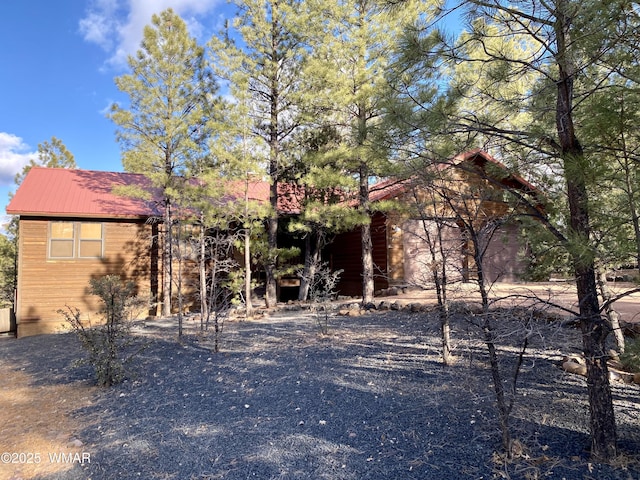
(39, 418)
(544, 294)
(35, 420)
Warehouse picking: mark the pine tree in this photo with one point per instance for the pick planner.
(562, 40)
(51, 154)
(165, 126)
(350, 62)
(260, 57)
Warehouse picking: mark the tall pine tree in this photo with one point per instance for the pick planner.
(350, 64)
(260, 57)
(164, 127)
(563, 39)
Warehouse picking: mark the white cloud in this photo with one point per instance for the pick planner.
(14, 155)
(107, 108)
(116, 25)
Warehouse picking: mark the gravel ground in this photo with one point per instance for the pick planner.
(369, 400)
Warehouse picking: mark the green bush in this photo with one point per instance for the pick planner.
(630, 359)
(107, 344)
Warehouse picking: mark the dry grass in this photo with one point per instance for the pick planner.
(37, 420)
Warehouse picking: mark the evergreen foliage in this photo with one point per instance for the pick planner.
(51, 154)
(166, 126)
(260, 57)
(7, 270)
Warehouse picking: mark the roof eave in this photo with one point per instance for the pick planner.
(78, 215)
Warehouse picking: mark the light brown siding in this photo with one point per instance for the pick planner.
(46, 286)
(395, 250)
(419, 237)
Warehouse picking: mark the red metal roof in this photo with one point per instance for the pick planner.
(83, 193)
(90, 193)
(290, 196)
(391, 188)
(61, 192)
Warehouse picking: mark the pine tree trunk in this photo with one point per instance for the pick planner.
(367, 243)
(311, 262)
(167, 261)
(594, 328)
(202, 273)
(271, 295)
(247, 254)
(247, 274)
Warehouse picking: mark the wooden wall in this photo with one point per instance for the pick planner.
(46, 286)
(418, 260)
(346, 253)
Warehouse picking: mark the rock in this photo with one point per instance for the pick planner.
(74, 443)
(384, 305)
(573, 367)
(575, 359)
(614, 376)
(415, 307)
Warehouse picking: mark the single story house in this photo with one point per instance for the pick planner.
(73, 227)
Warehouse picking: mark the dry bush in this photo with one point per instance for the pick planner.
(107, 344)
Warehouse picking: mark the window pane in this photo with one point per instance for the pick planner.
(90, 248)
(91, 231)
(61, 248)
(62, 230)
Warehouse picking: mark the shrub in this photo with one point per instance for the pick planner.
(630, 359)
(107, 343)
(322, 290)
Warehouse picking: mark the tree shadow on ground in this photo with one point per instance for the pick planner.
(370, 400)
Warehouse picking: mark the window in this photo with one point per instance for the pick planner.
(61, 245)
(75, 240)
(90, 240)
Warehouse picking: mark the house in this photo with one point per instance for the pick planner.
(475, 185)
(72, 228)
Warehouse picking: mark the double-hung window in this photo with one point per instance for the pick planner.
(69, 240)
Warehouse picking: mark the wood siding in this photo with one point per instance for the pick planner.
(419, 236)
(345, 253)
(46, 286)
(395, 241)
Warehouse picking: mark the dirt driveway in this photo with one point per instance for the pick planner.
(37, 424)
(544, 294)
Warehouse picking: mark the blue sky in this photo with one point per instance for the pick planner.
(59, 59)
(58, 63)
